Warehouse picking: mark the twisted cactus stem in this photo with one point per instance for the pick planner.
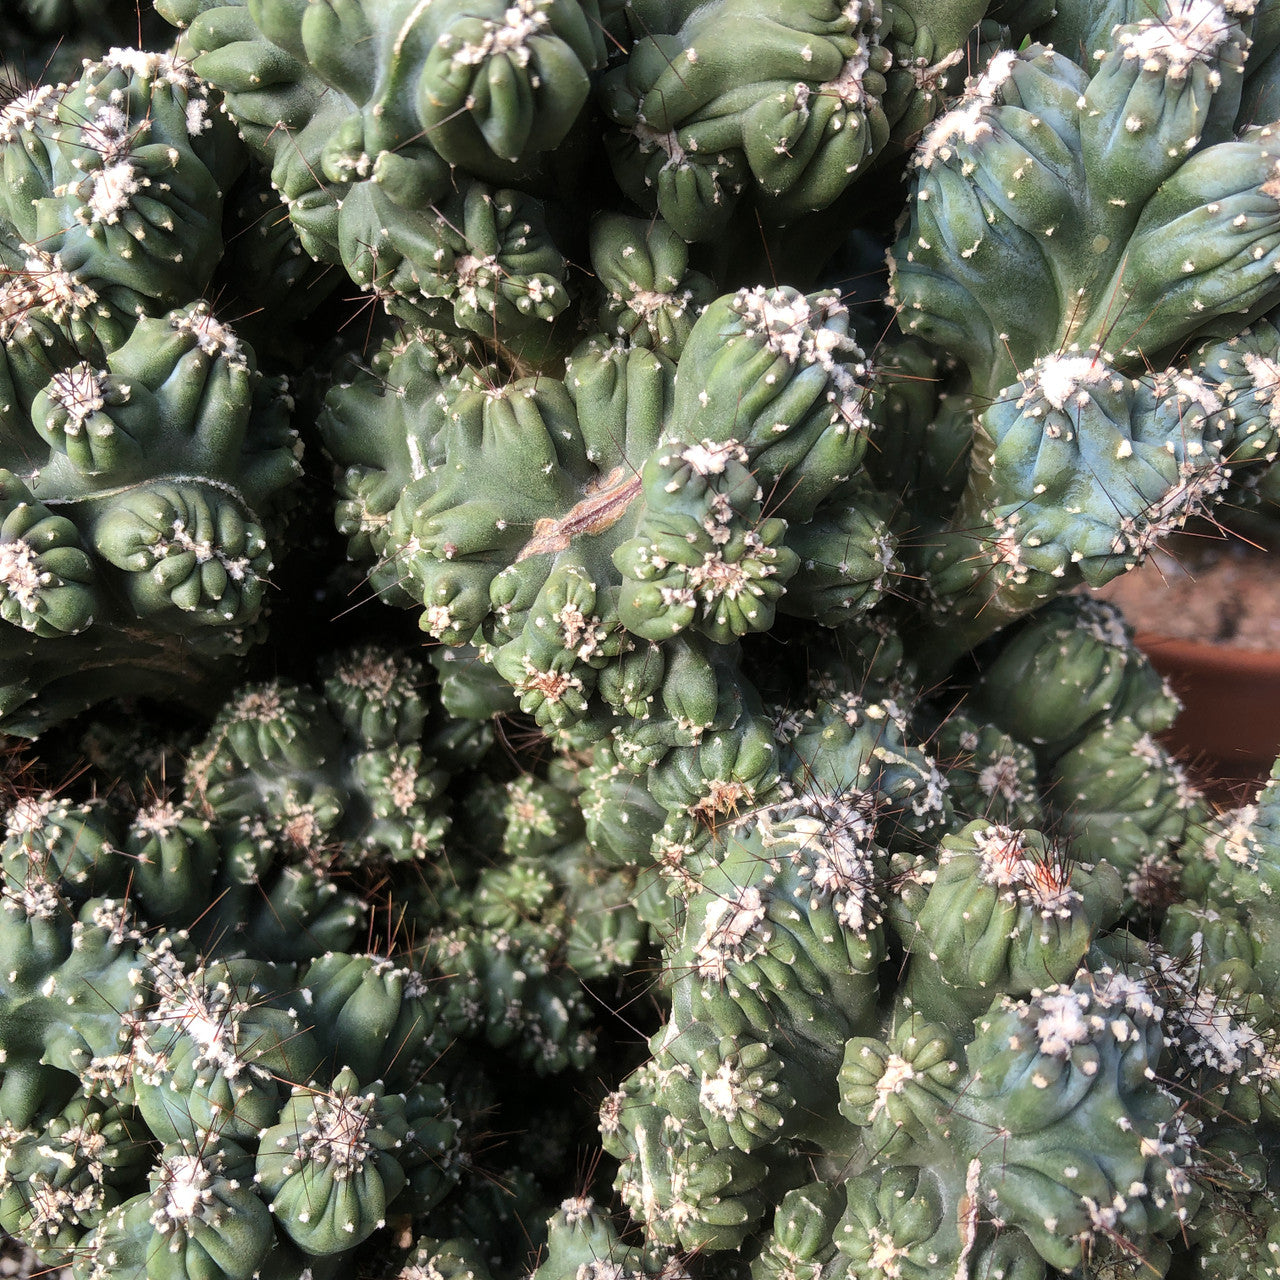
(1076, 472)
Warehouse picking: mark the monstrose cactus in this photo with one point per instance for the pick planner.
(763, 858)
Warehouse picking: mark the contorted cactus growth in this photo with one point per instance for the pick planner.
(764, 858)
(144, 459)
(638, 536)
(242, 1081)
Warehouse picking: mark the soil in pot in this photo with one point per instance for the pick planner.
(1207, 613)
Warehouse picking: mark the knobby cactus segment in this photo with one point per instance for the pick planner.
(219, 1086)
(395, 133)
(1069, 670)
(781, 372)
(1058, 209)
(140, 495)
(780, 1036)
(119, 178)
(781, 118)
(652, 297)
(147, 462)
(782, 101)
(596, 536)
(350, 769)
(1077, 471)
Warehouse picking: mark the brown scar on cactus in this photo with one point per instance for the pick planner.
(605, 504)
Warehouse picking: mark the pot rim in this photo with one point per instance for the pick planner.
(1201, 655)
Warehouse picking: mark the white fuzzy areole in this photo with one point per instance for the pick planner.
(729, 922)
(111, 191)
(509, 38)
(1062, 378)
(80, 392)
(212, 336)
(969, 121)
(1193, 32)
(712, 456)
(1062, 1023)
(24, 111)
(183, 1188)
(21, 577)
(152, 66)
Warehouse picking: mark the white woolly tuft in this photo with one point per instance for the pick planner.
(1193, 32)
(1063, 378)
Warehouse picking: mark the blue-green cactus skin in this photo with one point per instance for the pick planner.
(1077, 472)
(1047, 172)
(1069, 670)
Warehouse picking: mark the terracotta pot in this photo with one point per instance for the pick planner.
(1230, 722)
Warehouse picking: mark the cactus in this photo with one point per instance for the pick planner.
(240, 1085)
(139, 495)
(766, 858)
(145, 460)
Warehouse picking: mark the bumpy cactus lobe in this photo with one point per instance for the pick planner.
(202, 1209)
(1081, 30)
(213, 1048)
(1243, 370)
(138, 511)
(1070, 669)
(789, 107)
(533, 578)
(651, 297)
(65, 1173)
(344, 777)
(363, 146)
(1054, 1064)
(641, 517)
(1077, 471)
(774, 964)
(709, 561)
(46, 572)
(1235, 865)
(151, 1110)
(780, 372)
(786, 940)
(51, 319)
(121, 178)
(1137, 806)
(328, 1163)
(1124, 196)
(479, 85)
(990, 774)
(1005, 910)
